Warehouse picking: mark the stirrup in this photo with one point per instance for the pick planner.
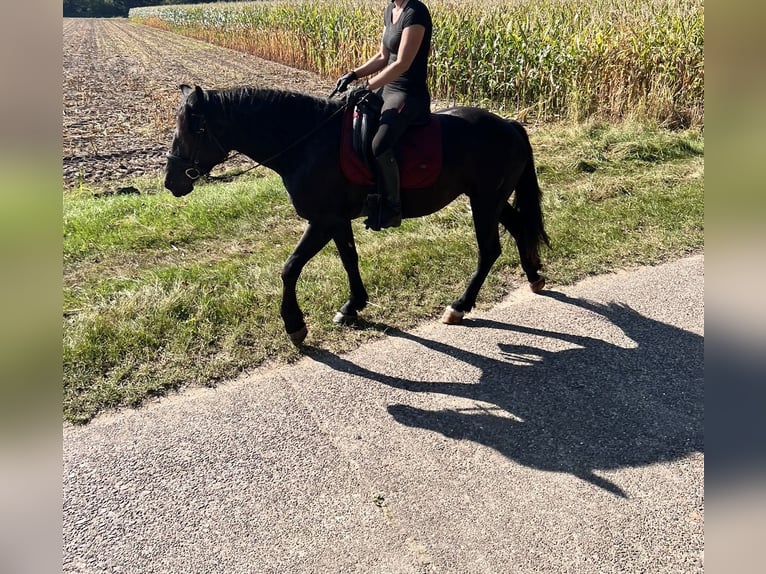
(393, 218)
(383, 217)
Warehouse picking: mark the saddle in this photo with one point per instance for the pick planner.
(419, 153)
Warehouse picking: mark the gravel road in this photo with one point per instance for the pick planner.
(555, 433)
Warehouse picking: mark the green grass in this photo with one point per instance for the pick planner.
(161, 293)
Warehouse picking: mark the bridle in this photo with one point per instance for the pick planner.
(191, 167)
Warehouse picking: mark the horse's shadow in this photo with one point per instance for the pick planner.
(593, 407)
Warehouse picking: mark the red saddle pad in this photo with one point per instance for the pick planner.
(421, 158)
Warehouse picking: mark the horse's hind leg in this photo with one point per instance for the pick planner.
(488, 239)
(344, 241)
(530, 261)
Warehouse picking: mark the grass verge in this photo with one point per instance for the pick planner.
(161, 293)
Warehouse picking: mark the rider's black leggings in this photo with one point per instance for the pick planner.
(400, 111)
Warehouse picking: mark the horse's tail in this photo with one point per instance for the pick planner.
(528, 203)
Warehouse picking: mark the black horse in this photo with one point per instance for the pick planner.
(298, 136)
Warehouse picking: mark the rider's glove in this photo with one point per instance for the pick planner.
(356, 94)
(344, 81)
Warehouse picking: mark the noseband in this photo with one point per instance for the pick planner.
(191, 167)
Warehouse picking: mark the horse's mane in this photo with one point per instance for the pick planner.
(302, 107)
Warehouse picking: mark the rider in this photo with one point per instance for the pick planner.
(400, 69)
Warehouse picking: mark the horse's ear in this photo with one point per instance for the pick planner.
(185, 90)
(200, 94)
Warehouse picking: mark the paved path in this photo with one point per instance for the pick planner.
(555, 433)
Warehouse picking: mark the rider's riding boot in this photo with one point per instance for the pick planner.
(390, 212)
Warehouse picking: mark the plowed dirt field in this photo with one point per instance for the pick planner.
(120, 92)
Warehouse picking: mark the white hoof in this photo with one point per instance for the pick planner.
(343, 319)
(452, 317)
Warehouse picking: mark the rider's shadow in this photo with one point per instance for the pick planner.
(596, 406)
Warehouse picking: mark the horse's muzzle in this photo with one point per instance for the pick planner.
(178, 186)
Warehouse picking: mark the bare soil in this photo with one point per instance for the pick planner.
(120, 92)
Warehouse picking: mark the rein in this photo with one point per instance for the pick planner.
(193, 171)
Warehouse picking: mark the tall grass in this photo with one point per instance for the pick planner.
(550, 59)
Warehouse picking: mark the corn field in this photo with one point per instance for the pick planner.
(546, 59)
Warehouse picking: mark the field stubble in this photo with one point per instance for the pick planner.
(120, 92)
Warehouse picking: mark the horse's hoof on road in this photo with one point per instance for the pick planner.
(452, 317)
(537, 286)
(299, 336)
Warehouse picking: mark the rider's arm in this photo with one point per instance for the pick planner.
(412, 37)
(374, 64)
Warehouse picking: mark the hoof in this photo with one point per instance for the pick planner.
(344, 319)
(537, 286)
(452, 317)
(299, 336)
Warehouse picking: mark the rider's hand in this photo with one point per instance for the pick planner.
(356, 94)
(344, 81)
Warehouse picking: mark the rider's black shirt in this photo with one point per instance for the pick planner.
(414, 81)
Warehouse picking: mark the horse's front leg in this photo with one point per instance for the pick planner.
(314, 239)
(344, 241)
